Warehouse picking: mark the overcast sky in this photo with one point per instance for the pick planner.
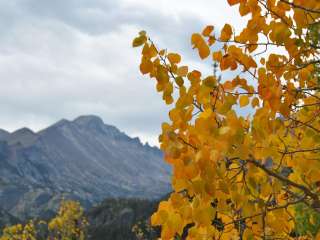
(65, 58)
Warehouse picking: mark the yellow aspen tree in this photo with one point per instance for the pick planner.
(68, 224)
(238, 177)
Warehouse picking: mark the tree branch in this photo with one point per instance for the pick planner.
(301, 7)
(303, 188)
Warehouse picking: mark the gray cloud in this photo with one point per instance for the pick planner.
(60, 59)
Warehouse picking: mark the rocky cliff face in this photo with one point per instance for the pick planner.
(83, 159)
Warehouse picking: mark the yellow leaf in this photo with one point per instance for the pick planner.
(266, 189)
(233, 2)
(217, 56)
(168, 99)
(208, 29)
(226, 33)
(224, 130)
(206, 113)
(255, 102)
(182, 71)
(211, 40)
(149, 51)
(155, 220)
(248, 234)
(300, 17)
(146, 66)
(244, 9)
(223, 187)
(138, 41)
(142, 33)
(179, 81)
(199, 43)
(210, 81)
(162, 52)
(314, 175)
(174, 58)
(227, 85)
(304, 74)
(203, 215)
(244, 100)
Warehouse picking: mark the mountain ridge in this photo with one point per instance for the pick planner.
(83, 159)
(81, 120)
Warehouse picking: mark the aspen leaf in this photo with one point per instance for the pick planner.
(227, 85)
(252, 47)
(255, 102)
(207, 113)
(146, 66)
(248, 234)
(233, 2)
(182, 71)
(266, 189)
(138, 41)
(204, 51)
(300, 17)
(217, 56)
(211, 40)
(304, 74)
(226, 33)
(199, 43)
(174, 58)
(179, 81)
(224, 130)
(223, 187)
(153, 51)
(196, 39)
(155, 220)
(143, 33)
(162, 52)
(210, 82)
(207, 31)
(244, 100)
(314, 176)
(168, 99)
(244, 9)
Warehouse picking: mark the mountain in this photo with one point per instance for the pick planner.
(3, 134)
(84, 159)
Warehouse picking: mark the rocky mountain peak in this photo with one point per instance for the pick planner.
(24, 136)
(61, 123)
(88, 120)
(23, 131)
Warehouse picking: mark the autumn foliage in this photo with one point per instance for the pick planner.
(68, 224)
(235, 176)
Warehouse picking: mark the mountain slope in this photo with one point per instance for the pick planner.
(83, 159)
(3, 134)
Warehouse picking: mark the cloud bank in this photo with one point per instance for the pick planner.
(60, 59)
